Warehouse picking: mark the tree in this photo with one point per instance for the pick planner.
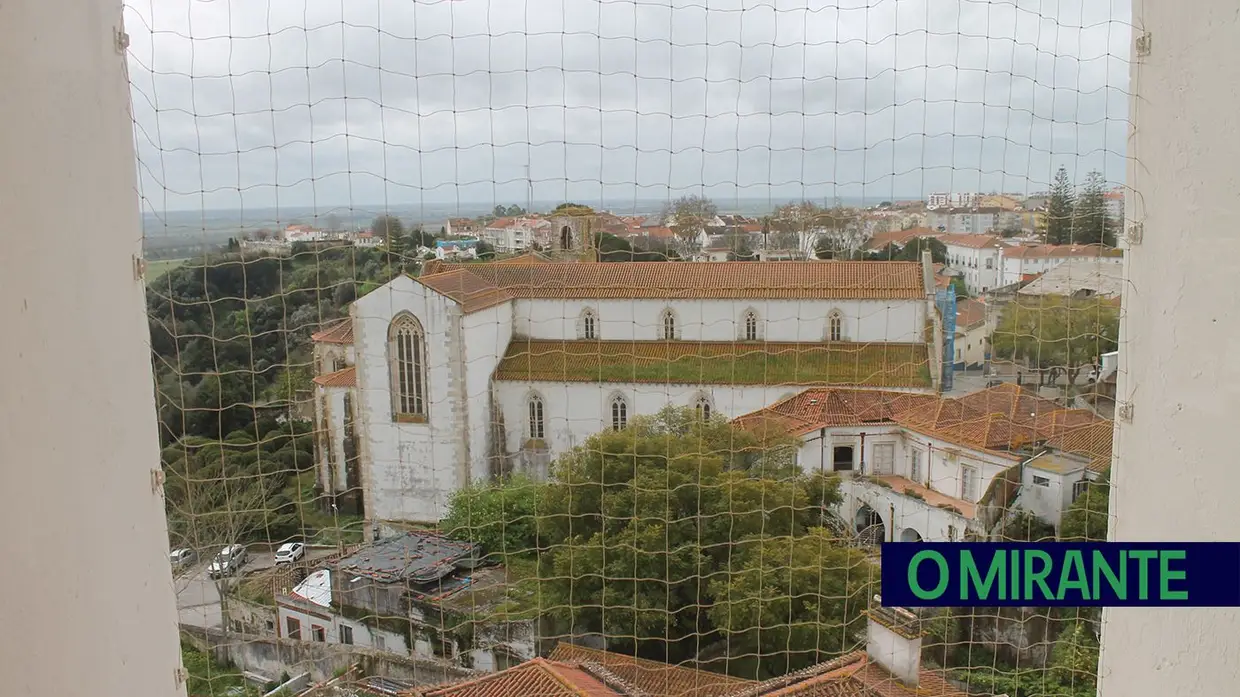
(793, 600)
(1060, 209)
(500, 516)
(514, 210)
(418, 237)
(641, 519)
(1086, 520)
(484, 250)
(386, 227)
(958, 284)
(912, 251)
(1074, 661)
(1056, 332)
(688, 217)
(1093, 224)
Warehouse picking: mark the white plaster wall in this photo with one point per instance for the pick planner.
(412, 468)
(329, 401)
(1178, 332)
(1047, 502)
(575, 411)
(486, 335)
(78, 442)
(721, 320)
(972, 345)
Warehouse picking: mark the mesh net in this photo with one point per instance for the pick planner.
(620, 335)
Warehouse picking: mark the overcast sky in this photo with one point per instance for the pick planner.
(362, 102)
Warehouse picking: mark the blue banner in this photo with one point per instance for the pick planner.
(1061, 574)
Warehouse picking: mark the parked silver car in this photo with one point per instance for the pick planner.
(228, 561)
(181, 558)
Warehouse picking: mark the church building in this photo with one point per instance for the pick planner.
(476, 370)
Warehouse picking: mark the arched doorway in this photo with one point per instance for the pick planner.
(910, 535)
(869, 525)
(566, 238)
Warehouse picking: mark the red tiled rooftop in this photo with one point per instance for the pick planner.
(535, 678)
(899, 238)
(972, 241)
(340, 332)
(340, 378)
(654, 678)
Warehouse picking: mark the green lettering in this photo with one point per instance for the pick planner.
(969, 574)
(1144, 556)
(1072, 576)
(1015, 591)
(1038, 576)
(914, 586)
(1166, 575)
(1103, 568)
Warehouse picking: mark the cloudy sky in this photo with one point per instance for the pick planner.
(365, 102)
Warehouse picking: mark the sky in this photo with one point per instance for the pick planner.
(337, 103)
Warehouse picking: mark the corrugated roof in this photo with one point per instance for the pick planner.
(340, 378)
(725, 362)
(417, 556)
(652, 677)
(340, 332)
(893, 280)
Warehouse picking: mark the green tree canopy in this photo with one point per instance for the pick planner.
(1056, 332)
(1060, 209)
(1093, 224)
(1089, 515)
(689, 215)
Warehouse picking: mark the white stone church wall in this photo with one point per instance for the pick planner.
(412, 467)
(575, 411)
(486, 334)
(722, 320)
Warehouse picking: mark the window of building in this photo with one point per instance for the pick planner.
(835, 326)
(990, 263)
(667, 325)
(751, 326)
(407, 353)
(842, 458)
(589, 324)
(319, 634)
(968, 483)
(346, 634)
(884, 457)
(292, 627)
(914, 466)
(537, 423)
(380, 642)
(1079, 488)
(619, 413)
(1041, 481)
(702, 407)
(271, 625)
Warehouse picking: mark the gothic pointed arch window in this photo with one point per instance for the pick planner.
(537, 418)
(668, 328)
(702, 407)
(407, 359)
(587, 327)
(749, 325)
(566, 238)
(835, 326)
(619, 413)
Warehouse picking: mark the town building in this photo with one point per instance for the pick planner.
(518, 234)
(1081, 277)
(471, 371)
(416, 593)
(461, 227)
(456, 249)
(898, 238)
(890, 666)
(977, 257)
(974, 221)
(920, 467)
(972, 343)
(1022, 262)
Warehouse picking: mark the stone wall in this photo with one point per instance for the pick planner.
(270, 657)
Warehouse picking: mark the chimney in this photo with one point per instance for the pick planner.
(927, 271)
(893, 640)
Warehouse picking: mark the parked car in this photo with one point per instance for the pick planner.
(290, 552)
(181, 558)
(227, 561)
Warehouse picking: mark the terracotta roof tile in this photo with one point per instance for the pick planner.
(653, 677)
(526, 258)
(896, 280)
(853, 675)
(1053, 251)
(340, 332)
(534, 678)
(724, 362)
(898, 237)
(472, 292)
(340, 378)
(969, 312)
(1091, 441)
(972, 241)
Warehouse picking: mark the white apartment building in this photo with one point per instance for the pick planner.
(977, 258)
(1021, 262)
(517, 234)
